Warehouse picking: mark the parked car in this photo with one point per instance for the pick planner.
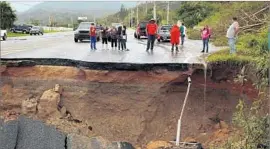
(4, 34)
(21, 29)
(36, 30)
(164, 33)
(140, 30)
(82, 32)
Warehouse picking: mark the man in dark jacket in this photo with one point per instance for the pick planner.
(151, 29)
(104, 35)
(113, 36)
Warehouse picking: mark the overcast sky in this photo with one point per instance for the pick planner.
(22, 6)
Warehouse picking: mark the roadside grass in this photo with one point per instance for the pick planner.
(11, 34)
(251, 48)
(220, 20)
(52, 31)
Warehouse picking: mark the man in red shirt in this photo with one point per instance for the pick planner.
(151, 29)
(93, 39)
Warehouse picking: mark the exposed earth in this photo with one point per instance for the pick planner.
(133, 106)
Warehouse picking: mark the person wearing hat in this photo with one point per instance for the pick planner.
(93, 35)
(151, 29)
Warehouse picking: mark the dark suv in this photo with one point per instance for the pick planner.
(82, 32)
(140, 30)
(21, 28)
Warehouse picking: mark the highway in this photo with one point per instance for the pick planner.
(62, 45)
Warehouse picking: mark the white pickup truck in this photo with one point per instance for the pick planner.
(4, 34)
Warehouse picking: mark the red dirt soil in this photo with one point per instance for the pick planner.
(135, 106)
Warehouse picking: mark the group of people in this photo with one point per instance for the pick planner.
(117, 37)
(177, 32)
(231, 35)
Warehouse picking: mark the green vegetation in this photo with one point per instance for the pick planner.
(51, 31)
(251, 122)
(11, 34)
(253, 127)
(191, 13)
(220, 20)
(145, 12)
(8, 16)
(251, 48)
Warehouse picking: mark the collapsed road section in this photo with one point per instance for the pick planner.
(135, 103)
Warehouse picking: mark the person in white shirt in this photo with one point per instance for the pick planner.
(232, 34)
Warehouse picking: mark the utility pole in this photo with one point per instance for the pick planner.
(50, 21)
(137, 15)
(168, 12)
(154, 11)
(129, 18)
(132, 16)
(146, 7)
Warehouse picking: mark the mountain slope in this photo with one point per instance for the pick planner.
(64, 12)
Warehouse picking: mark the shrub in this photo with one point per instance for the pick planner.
(191, 13)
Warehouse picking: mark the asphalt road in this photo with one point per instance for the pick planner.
(62, 45)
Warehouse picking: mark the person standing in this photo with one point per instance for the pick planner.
(151, 29)
(93, 39)
(175, 35)
(113, 35)
(183, 33)
(104, 35)
(124, 39)
(119, 37)
(232, 34)
(205, 34)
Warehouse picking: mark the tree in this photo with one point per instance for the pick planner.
(123, 12)
(191, 13)
(35, 22)
(8, 16)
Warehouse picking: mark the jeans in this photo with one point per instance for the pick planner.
(124, 44)
(104, 40)
(205, 44)
(231, 42)
(182, 40)
(93, 41)
(151, 40)
(113, 43)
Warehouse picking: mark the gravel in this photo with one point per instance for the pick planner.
(8, 134)
(35, 135)
(26, 133)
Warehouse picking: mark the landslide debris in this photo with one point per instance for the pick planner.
(135, 107)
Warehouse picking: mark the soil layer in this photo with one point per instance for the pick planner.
(133, 106)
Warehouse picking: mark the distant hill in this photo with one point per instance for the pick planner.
(161, 11)
(64, 12)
